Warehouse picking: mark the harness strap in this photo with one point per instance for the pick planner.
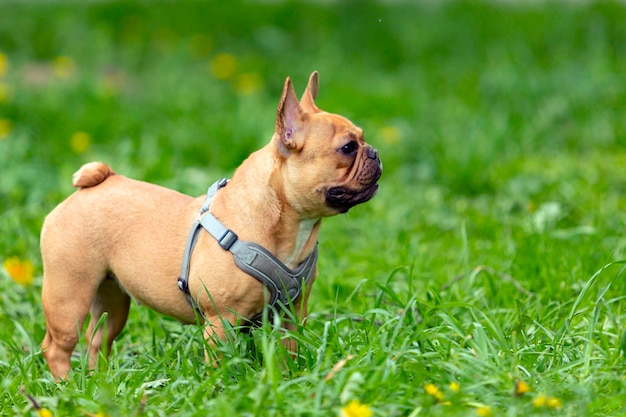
(183, 280)
(284, 284)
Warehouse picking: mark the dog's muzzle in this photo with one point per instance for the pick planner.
(369, 171)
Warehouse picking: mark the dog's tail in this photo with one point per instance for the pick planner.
(91, 174)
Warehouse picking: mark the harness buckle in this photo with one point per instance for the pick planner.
(182, 285)
(228, 239)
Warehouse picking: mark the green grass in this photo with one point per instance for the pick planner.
(492, 254)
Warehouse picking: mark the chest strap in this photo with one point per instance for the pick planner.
(284, 284)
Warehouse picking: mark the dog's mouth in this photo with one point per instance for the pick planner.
(344, 198)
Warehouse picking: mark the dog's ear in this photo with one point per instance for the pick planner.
(310, 94)
(289, 121)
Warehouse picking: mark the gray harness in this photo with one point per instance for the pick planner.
(284, 284)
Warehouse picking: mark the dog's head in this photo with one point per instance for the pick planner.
(327, 167)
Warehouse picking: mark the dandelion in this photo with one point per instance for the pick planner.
(4, 93)
(4, 64)
(356, 409)
(223, 66)
(454, 387)
(248, 83)
(21, 271)
(554, 402)
(63, 66)
(5, 128)
(433, 391)
(540, 401)
(521, 388)
(484, 411)
(80, 141)
(390, 134)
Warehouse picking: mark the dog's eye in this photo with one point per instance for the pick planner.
(350, 147)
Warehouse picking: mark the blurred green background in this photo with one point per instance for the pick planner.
(464, 87)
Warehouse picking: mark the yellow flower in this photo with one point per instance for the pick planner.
(521, 388)
(455, 387)
(540, 400)
(63, 66)
(248, 83)
(390, 134)
(433, 391)
(5, 128)
(43, 412)
(554, 402)
(356, 409)
(4, 64)
(224, 66)
(20, 271)
(484, 411)
(4, 93)
(80, 141)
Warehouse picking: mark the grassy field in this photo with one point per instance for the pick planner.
(485, 278)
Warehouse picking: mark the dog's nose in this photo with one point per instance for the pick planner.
(372, 153)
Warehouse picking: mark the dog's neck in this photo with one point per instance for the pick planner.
(304, 234)
(263, 217)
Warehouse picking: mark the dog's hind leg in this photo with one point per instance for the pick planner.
(66, 300)
(113, 300)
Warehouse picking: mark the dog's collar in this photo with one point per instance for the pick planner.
(284, 284)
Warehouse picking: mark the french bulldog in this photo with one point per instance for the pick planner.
(116, 238)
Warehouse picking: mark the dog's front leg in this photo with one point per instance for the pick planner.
(214, 333)
(300, 312)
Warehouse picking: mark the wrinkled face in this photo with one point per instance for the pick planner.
(334, 169)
